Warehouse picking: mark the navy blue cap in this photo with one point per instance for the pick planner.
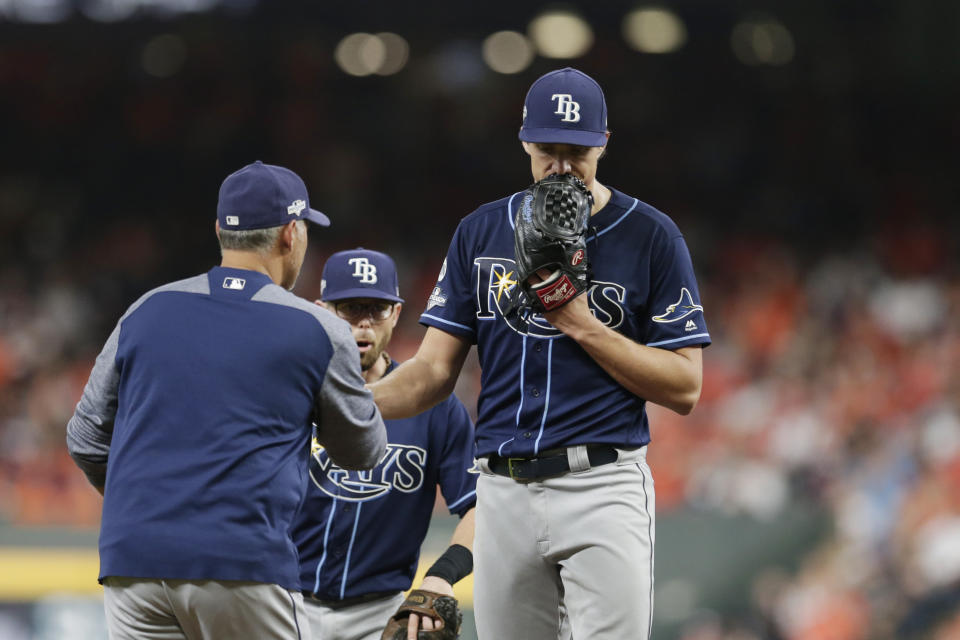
(360, 273)
(565, 106)
(264, 195)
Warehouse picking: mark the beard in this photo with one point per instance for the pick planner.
(368, 359)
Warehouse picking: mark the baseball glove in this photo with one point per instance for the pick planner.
(426, 603)
(550, 232)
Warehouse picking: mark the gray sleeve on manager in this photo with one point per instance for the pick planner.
(349, 424)
(90, 430)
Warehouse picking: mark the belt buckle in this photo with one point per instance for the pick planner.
(510, 467)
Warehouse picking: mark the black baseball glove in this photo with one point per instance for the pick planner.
(426, 603)
(550, 232)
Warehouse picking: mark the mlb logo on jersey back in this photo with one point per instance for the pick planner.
(236, 284)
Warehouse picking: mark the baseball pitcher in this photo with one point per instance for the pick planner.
(584, 306)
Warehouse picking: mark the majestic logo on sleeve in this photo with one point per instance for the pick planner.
(401, 468)
(680, 309)
(497, 279)
(364, 270)
(566, 107)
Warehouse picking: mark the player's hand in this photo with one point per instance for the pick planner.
(415, 622)
(572, 318)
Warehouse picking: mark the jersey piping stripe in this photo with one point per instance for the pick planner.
(523, 362)
(546, 399)
(618, 220)
(454, 504)
(353, 538)
(696, 335)
(293, 607)
(646, 507)
(502, 444)
(452, 324)
(326, 536)
(510, 209)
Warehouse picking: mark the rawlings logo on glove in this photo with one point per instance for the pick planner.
(426, 603)
(550, 233)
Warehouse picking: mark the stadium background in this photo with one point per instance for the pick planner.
(808, 150)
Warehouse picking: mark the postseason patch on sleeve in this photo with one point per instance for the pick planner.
(436, 299)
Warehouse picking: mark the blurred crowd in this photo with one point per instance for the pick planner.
(819, 202)
(836, 386)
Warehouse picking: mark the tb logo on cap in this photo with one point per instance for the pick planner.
(566, 107)
(364, 269)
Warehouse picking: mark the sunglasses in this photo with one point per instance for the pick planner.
(353, 311)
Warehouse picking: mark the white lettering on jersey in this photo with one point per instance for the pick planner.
(364, 270)
(496, 279)
(566, 107)
(402, 467)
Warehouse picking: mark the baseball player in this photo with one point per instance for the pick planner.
(565, 507)
(195, 427)
(359, 534)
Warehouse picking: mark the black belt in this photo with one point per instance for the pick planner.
(548, 465)
(349, 602)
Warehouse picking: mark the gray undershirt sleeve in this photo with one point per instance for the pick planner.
(350, 425)
(90, 430)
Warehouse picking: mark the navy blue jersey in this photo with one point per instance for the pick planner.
(361, 533)
(539, 388)
(198, 412)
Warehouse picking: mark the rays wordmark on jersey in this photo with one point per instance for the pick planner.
(497, 279)
(400, 468)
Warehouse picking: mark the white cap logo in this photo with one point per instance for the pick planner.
(296, 207)
(566, 107)
(364, 269)
(234, 220)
